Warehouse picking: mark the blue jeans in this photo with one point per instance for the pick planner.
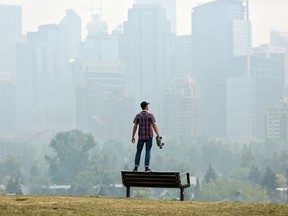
(140, 145)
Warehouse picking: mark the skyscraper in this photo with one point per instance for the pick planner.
(69, 30)
(220, 30)
(147, 49)
(277, 121)
(99, 45)
(280, 39)
(11, 33)
(169, 6)
(181, 108)
(183, 55)
(249, 96)
(101, 93)
(7, 105)
(44, 88)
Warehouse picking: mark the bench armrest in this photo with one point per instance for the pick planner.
(185, 179)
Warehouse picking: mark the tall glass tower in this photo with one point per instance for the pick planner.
(169, 6)
(220, 30)
(147, 49)
(11, 33)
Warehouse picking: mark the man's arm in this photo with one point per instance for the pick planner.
(134, 132)
(155, 128)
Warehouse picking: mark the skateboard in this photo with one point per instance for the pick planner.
(159, 141)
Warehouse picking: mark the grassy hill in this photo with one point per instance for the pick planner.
(81, 205)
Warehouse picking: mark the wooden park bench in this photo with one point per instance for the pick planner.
(156, 180)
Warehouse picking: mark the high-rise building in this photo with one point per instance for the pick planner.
(181, 108)
(250, 95)
(277, 121)
(183, 66)
(7, 105)
(99, 56)
(280, 39)
(220, 30)
(11, 33)
(100, 90)
(147, 49)
(43, 79)
(241, 107)
(96, 26)
(99, 45)
(169, 6)
(69, 30)
(105, 114)
(277, 54)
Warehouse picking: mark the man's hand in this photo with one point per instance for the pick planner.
(133, 133)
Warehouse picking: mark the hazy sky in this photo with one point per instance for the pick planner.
(265, 14)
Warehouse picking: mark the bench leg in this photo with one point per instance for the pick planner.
(181, 194)
(128, 192)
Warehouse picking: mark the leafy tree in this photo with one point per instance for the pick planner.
(286, 178)
(255, 175)
(99, 172)
(196, 188)
(223, 190)
(227, 161)
(210, 174)
(115, 152)
(241, 174)
(83, 183)
(11, 167)
(210, 153)
(37, 177)
(71, 155)
(13, 186)
(247, 156)
(103, 168)
(269, 181)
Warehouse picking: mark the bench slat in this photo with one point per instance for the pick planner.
(132, 182)
(155, 172)
(155, 185)
(150, 180)
(152, 177)
(149, 173)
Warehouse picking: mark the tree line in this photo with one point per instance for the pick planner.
(224, 170)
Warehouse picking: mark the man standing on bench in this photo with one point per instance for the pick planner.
(146, 122)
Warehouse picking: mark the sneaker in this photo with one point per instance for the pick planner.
(135, 169)
(148, 170)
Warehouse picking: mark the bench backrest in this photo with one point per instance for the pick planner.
(155, 179)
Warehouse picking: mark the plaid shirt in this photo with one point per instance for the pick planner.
(145, 120)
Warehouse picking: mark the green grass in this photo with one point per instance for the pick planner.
(89, 205)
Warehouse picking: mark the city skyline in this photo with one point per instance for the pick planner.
(114, 13)
(140, 60)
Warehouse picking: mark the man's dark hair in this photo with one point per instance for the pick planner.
(143, 105)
